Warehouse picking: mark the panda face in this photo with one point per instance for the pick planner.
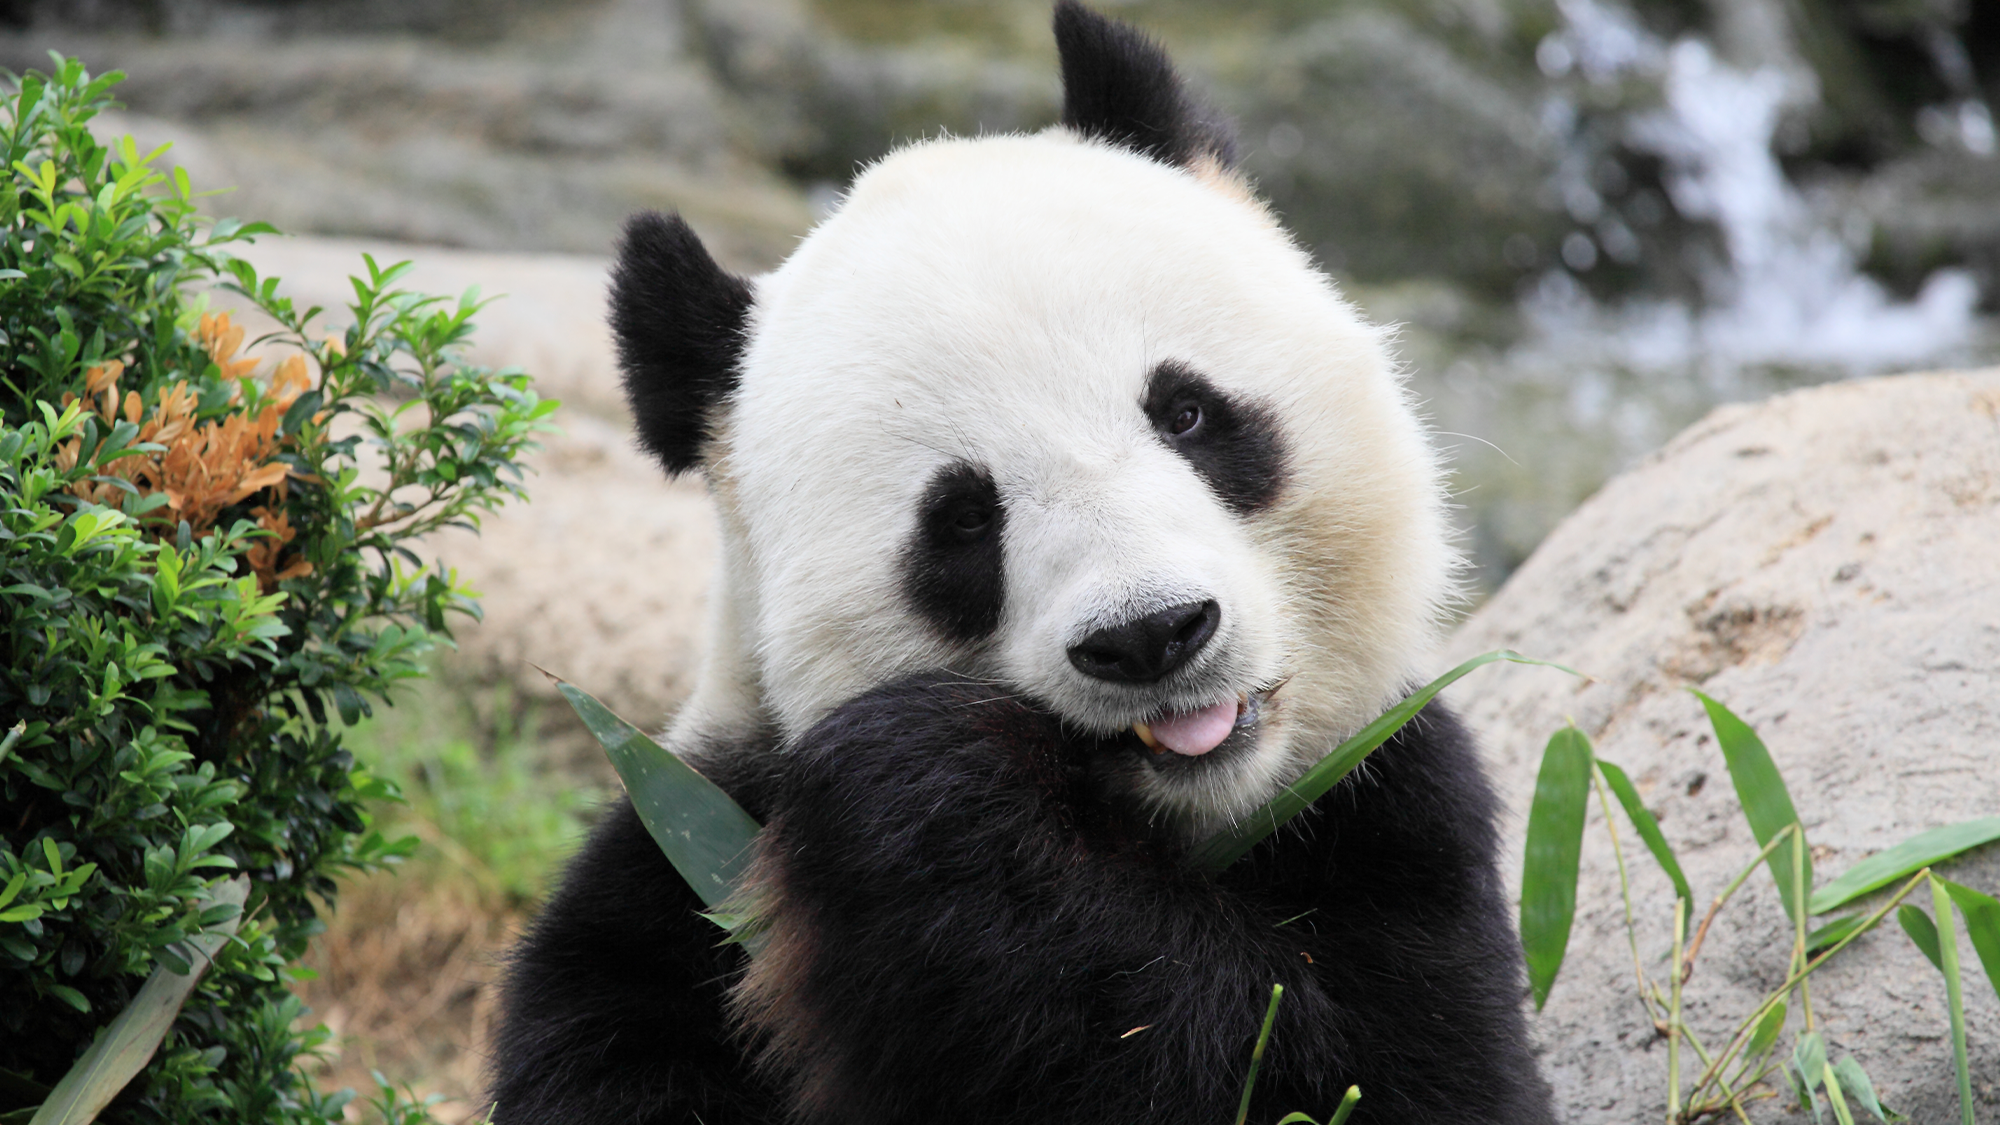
(1052, 414)
(1068, 414)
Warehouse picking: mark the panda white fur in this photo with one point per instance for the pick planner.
(1067, 513)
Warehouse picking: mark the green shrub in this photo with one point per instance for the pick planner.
(200, 568)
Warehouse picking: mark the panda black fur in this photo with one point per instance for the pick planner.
(1038, 443)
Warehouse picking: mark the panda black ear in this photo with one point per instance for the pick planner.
(678, 318)
(1119, 85)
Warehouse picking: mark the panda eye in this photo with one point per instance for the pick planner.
(1185, 419)
(971, 521)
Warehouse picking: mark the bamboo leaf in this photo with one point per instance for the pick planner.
(1766, 1035)
(1232, 843)
(1954, 993)
(705, 834)
(1648, 828)
(1982, 925)
(1555, 844)
(1904, 860)
(1801, 1090)
(1831, 934)
(1809, 1055)
(127, 1044)
(1836, 1095)
(1922, 933)
(1855, 1081)
(1767, 804)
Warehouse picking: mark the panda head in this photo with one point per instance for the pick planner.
(1068, 413)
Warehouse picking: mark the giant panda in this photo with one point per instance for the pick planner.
(1067, 513)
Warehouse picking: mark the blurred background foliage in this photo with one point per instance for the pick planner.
(1593, 219)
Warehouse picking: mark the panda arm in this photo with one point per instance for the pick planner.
(955, 935)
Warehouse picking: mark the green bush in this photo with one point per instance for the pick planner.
(201, 567)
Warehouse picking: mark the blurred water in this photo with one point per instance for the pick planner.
(1591, 385)
(1791, 291)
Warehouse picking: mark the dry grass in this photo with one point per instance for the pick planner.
(407, 975)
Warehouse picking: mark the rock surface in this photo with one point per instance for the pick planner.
(1827, 564)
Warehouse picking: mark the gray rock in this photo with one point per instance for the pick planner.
(1827, 564)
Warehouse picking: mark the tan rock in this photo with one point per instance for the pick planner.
(1827, 564)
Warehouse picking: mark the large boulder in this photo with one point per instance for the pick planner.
(1827, 564)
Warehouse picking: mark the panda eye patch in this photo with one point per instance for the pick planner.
(952, 564)
(1232, 443)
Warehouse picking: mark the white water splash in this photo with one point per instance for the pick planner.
(1791, 293)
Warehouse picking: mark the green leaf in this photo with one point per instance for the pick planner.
(1904, 860)
(1648, 828)
(1235, 841)
(1555, 845)
(70, 996)
(1855, 1081)
(705, 834)
(124, 1048)
(1830, 935)
(1803, 1089)
(1982, 925)
(1766, 1035)
(1836, 1095)
(1809, 1055)
(1767, 804)
(1918, 925)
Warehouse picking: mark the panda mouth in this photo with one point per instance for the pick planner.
(1191, 734)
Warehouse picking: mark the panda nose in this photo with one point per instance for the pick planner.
(1145, 649)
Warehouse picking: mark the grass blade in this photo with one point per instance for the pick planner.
(1257, 1053)
(127, 1044)
(1648, 828)
(1232, 843)
(705, 834)
(1767, 804)
(1904, 860)
(1982, 925)
(1555, 843)
(1954, 994)
(1339, 1115)
(1922, 933)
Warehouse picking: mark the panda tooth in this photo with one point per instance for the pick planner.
(1145, 734)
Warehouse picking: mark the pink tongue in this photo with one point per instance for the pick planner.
(1196, 732)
